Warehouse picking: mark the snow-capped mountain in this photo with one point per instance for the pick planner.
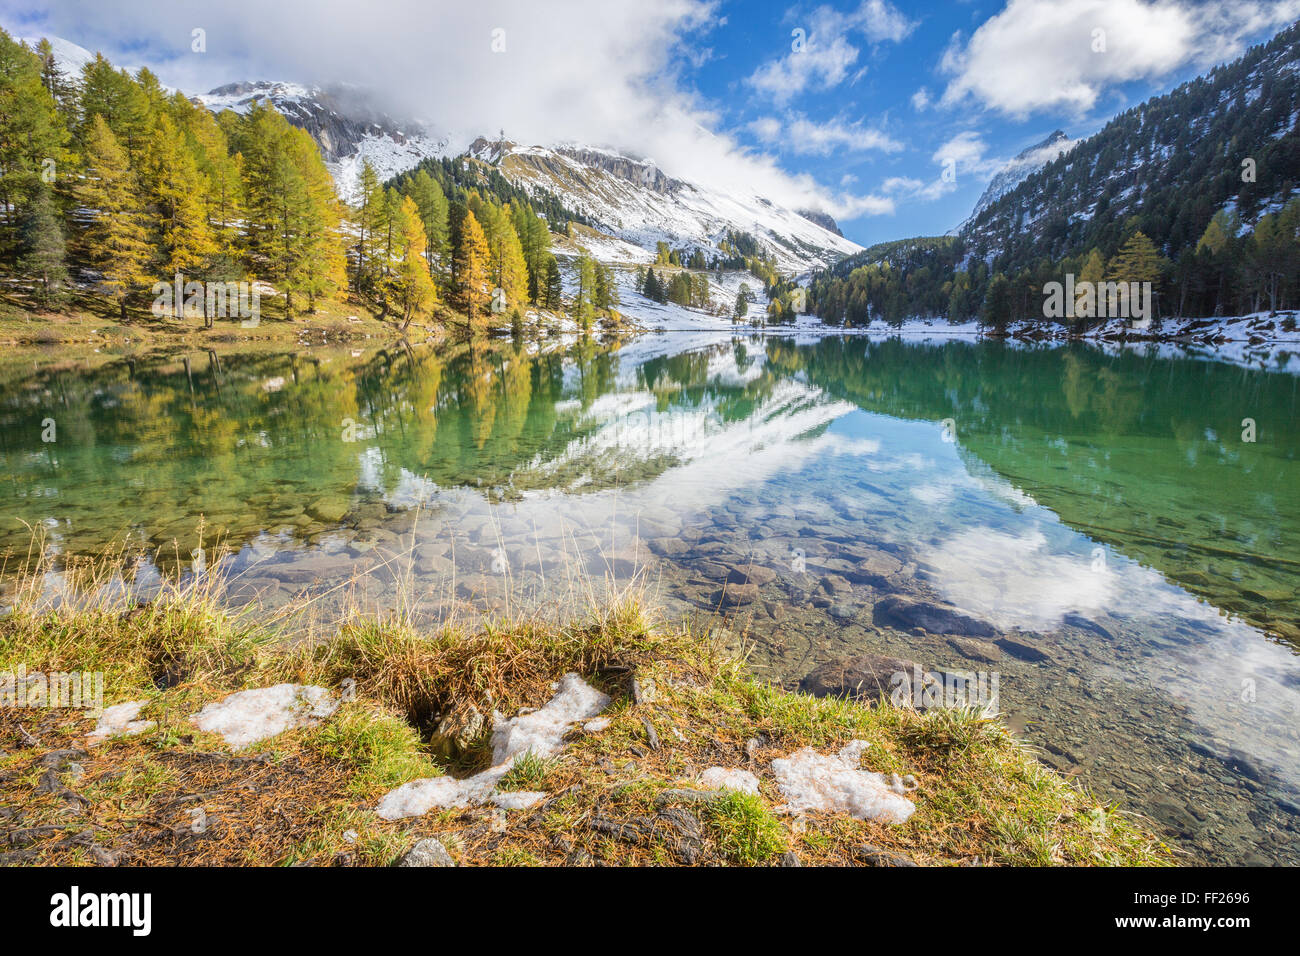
(1017, 170)
(346, 125)
(630, 199)
(69, 57)
(638, 203)
(1225, 140)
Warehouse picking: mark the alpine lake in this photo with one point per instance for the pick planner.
(1108, 539)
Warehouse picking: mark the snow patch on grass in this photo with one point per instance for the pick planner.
(119, 719)
(812, 781)
(248, 716)
(729, 778)
(540, 732)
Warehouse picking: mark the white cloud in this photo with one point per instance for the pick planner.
(921, 99)
(803, 136)
(966, 149)
(822, 54)
(1045, 54)
(594, 72)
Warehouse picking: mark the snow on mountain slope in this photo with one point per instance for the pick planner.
(345, 124)
(68, 57)
(636, 202)
(1017, 170)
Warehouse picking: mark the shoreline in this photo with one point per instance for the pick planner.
(383, 750)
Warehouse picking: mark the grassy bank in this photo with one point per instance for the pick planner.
(95, 321)
(177, 795)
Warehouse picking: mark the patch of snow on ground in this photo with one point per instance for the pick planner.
(120, 719)
(518, 799)
(541, 732)
(729, 778)
(248, 716)
(813, 781)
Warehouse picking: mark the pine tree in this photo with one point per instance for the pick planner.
(43, 248)
(741, 308)
(1137, 261)
(554, 285)
(177, 190)
(116, 241)
(371, 222)
(32, 136)
(293, 216)
(323, 264)
(997, 303)
(511, 270)
(432, 204)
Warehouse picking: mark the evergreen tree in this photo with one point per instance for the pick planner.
(43, 248)
(997, 304)
(510, 268)
(1137, 261)
(32, 136)
(554, 285)
(293, 216)
(432, 204)
(370, 218)
(177, 189)
(584, 303)
(741, 308)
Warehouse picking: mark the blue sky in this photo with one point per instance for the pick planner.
(854, 107)
(871, 116)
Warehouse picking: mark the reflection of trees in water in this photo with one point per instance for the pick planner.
(146, 445)
(1138, 451)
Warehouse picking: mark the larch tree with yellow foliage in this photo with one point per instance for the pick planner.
(410, 286)
(473, 261)
(116, 241)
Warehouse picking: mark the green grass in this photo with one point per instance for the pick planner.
(980, 794)
(528, 772)
(745, 829)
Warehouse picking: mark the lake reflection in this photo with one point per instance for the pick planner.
(1100, 510)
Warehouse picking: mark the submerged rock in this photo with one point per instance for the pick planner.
(976, 650)
(735, 595)
(1026, 652)
(865, 677)
(904, 613)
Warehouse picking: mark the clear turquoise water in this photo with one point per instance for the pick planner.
(1103, 508)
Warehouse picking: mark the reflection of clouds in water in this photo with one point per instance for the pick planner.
(909, 462)
(833, 443)
(932, 493)
(1013, 579)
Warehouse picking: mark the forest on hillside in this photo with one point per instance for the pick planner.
(1193, 191)
(111, 183)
